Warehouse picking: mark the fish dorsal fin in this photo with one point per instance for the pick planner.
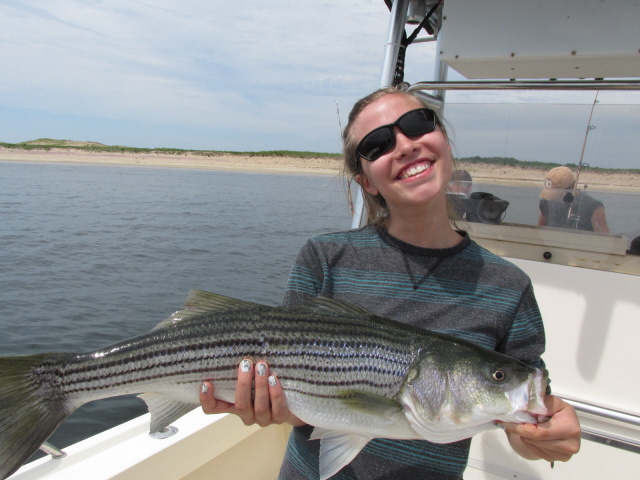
(370, 403)
(337, 306)
(337, 449)
(199, 302)
(164, 410)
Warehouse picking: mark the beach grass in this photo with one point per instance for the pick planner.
(50, 143)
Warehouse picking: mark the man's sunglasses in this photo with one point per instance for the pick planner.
(413, 124)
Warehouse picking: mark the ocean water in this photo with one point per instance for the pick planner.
(90, 255)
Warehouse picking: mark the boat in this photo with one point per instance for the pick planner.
(586, 283)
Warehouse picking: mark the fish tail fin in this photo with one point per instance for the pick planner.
(30, 407)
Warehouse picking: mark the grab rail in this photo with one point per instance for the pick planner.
(625, 419)
(605, 412)
(528, 85)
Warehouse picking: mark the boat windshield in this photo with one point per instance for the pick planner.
(545, 166)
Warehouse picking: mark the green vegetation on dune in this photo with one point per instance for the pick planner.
(289, 153)
(513, 162)
(53, 143)
(49, 143)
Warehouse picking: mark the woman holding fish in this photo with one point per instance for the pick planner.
(408, 264)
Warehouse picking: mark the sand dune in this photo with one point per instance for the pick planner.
(482, 173)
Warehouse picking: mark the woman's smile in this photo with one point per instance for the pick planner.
(414, 169)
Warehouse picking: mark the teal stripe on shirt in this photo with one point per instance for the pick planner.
(441, 458)
(525, 325)
(357, 239)
(435, 291)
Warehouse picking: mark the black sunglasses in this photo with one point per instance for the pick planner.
(413, 124)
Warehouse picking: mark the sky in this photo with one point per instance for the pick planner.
(251, 76)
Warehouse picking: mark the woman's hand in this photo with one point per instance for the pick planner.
(555, 440)
(259, 397)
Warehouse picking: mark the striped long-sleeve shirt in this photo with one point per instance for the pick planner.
(464, 291)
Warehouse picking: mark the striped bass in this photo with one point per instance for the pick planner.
(353, 375)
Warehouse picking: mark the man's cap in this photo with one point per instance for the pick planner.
(461, 176)
(556, 182)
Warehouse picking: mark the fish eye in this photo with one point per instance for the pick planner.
(499, 375)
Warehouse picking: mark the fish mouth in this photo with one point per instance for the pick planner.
(537, 391)
(414, 169)
(528, 398)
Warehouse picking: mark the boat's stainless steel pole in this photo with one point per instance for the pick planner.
(440, 75)
(391, 50)
(394, 41)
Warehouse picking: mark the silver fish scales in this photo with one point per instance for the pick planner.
(353, 375)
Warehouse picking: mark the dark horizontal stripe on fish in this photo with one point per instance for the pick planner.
(79, 379)
(182, 350)
(205, 352)
(317, 395)
(76, 380)
(285, 379)
(135, 354)
(385, 379)
(119, 382)
(218, 350)
(138, 375)
(318, 327)
(302, 321)
(307, 376)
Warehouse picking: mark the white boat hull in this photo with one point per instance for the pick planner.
(204, 447)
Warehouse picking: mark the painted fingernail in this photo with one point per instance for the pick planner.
(272, 381)
(261, 368)
(245, 365)
(205, 389)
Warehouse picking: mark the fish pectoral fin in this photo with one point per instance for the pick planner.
(199, 302)
(164, 409)
(370, 403)
(447, 435)
(337, 449)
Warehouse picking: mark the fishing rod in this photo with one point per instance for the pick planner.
(572, 216)
(349, 196)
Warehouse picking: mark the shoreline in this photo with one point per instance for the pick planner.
(481, 173)
(223, 162)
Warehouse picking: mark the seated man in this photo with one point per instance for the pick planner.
(458, 192)
(460, 183)
(477, 206)
(561, 207)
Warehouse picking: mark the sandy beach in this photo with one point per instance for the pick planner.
(482, 173)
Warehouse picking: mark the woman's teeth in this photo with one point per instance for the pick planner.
(414, 170)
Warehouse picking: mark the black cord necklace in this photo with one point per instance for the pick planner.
(416, 285)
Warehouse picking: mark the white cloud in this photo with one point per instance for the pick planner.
(189, 64)
(213, 74)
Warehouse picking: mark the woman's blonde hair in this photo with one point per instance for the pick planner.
(377, 210)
